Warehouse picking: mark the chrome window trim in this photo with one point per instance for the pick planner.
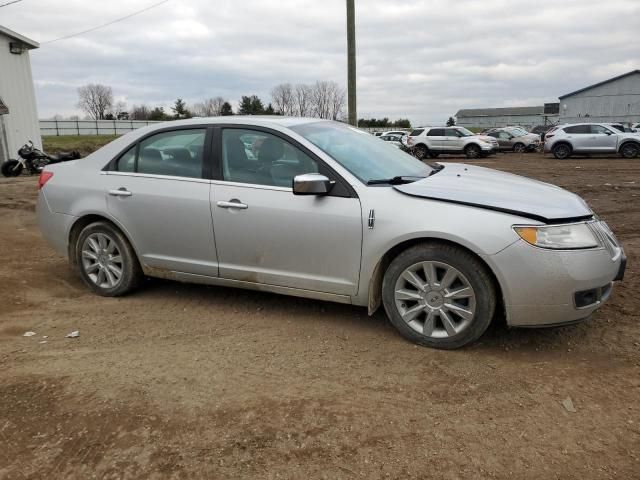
(251, 185)
(156, 176)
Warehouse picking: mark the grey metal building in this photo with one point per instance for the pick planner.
(502, 117)
(613, 100)
(18, 113)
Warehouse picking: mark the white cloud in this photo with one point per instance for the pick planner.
(418, 59)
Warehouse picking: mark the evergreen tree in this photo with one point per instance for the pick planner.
(226, 109)
(451, 122)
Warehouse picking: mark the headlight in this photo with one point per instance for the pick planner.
(575, 235)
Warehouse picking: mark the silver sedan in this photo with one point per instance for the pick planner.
(321, 210)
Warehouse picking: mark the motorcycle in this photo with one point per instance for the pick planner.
(34, 160)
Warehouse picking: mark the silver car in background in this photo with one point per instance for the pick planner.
(565, 140)
(322, 210)
(515, 139)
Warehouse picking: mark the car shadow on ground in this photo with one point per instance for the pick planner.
(498, 336)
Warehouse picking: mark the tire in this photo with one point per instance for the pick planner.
(519, 148)
(433, 155)
(561, 151)
(420, 152)
(411, 315)
(630, 150)
(472, 151)
(11, 168)
(100, 251)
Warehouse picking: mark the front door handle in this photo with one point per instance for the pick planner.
(234, 203)
(121, 192)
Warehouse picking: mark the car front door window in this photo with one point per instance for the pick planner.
(255, 157)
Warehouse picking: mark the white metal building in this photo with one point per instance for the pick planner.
(613, 100)
(501, 117)
(18, 112)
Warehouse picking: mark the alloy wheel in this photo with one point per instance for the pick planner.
(472, 151)
(561, 152)
(421, 152)
(518, 148)
(101, 260)
(435, 299)
(630, 150)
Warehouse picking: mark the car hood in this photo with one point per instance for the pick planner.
(530, 137)
(504, 192)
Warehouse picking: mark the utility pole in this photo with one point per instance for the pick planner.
(351, 63)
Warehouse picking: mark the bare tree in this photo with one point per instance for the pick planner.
(302, 100)
(283, 99)
(210, 107)
(337, 99)
(321, 97)
(95, 100)
(140, 112)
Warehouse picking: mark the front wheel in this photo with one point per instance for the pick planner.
(438, 295)
(11, 168)
(472, 151)
(630, 150)
(107, 262)
(519, 148)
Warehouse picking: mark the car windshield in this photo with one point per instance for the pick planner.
(464, 132)
(364, 156)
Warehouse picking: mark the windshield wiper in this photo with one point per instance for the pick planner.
(436, 168)
(399, 180)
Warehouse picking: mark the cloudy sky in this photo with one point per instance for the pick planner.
(418, 59)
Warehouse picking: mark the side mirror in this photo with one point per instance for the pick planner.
(311, 184)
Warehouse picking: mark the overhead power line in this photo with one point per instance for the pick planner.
(92, 29)
(9, 3)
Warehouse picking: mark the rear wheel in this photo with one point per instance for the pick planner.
(11, 168)
(107, 262)
(519, 148)
(561, 151)
(438, 295)
(420, 152)
(630, 150)
(472, 151)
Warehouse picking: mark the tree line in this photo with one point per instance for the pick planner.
(322, 99)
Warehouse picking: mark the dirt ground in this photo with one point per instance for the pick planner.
(187, 381)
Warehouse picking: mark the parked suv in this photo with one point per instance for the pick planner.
(590, 138)
(515, 139)
(432, 141)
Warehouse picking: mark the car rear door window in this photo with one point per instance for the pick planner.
(578, 129)
(256, 157)
(178, 153)
(127, 162)
(436, 132)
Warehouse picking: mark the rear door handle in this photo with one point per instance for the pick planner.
(233, 204)
(121, 192)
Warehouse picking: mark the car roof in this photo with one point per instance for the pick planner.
(264, 120)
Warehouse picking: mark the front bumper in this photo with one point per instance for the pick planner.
(540, 286)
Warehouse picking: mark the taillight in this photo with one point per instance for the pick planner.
(44, 178)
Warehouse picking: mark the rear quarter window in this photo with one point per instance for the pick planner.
(417, 132)
(578, 129)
